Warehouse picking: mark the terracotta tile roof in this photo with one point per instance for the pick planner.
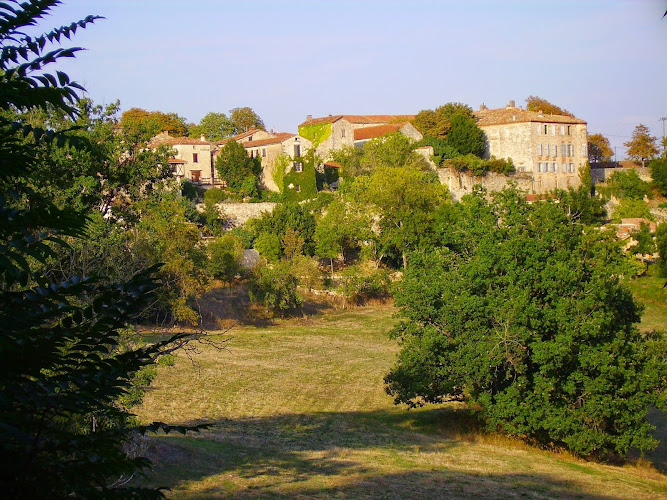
(501, 116)
(238, 137)
(177, 141)
(280, 137)
(334, 164)
(359, 119)
(361, 134)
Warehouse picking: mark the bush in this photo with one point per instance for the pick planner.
(269, 246)
(363, 282)
(627, 184)
(192, 192)
(276, 288)
(632, 207)
(659, 174)
(225, 255)
(479, 167)
(215, 196)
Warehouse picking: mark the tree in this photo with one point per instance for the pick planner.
(465, 136)
(244, 119)
(225, 256)
(642, 146)
(234, 165)
(214, 126)
(627, 184)
(630, 208)
(661, 247)
(142, 124)
(393, 150)
(521, 313)
(599, 150)
(276, 288)
(534, 103)
(437, 123)
(63, 422)
(658, 167)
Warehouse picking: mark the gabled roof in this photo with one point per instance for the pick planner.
(501, 116)
(359, 119)
(279, 137)
(240, 136)
(361, 134)
(160, 140)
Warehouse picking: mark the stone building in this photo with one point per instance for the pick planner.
(337, 131)
(269, 149)
(365, 134)
(192, 159)
(552, 148)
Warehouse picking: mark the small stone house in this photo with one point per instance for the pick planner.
(334, 132)
(192, 159)
(269, 149)
(552, 148)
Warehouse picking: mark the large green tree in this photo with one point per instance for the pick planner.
(465, 136)
(234, 165)
(243, 119)
(143, 125)
(213, 126)
(437, 122)
(642, 146)
(63, 411)
(521, 313)
(658, 168)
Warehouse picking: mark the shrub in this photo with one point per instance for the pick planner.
(363, 282)
(225, 255)
(627, 184)
(192, 192)
(276, 288)
(269, 246)
(215, 196)
(632, 207)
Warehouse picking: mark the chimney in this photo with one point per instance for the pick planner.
(483, 107)
(309, 117)
(511, 104)
(202, 138)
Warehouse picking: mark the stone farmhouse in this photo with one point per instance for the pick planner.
(334, 132)
(550, 148)
(193, 160)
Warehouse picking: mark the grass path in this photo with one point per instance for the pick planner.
(298, 410)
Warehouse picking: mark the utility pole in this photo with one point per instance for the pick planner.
(663, 133)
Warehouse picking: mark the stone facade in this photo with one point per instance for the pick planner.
(192, 159)
(462, 183)
(343, 128)
(551, 148)
(271, 148)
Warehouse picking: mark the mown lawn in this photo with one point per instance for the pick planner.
(298, 410)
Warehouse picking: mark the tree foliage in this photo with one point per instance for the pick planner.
(276, 288)
(465, 136)
(214, 126)
(534, 103)
(599, 150)
(658, 168)
(437, 123)
(628, 184)
(244, 119)
(642, 146)
(64, 379)
(234, 165)
(520, 312)
(142, 125)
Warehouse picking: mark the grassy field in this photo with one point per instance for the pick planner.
(298, 410)
(650, 291)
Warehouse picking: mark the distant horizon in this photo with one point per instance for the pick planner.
(601, 60)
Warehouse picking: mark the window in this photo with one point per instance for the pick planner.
(546, 129)
(553, 130)
(563, 150)
(554, 149)
(297, 151)
(298, 166)
(571, 168)
(562, 130)
(583, 150)
(553, 167)
(570, 150)
(563, 167)
(539, 167)
(195, 158)
(342, 133)
(263, 152)
(569, 130)
(539, 150)
(539, 128)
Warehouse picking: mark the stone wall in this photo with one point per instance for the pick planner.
(238, 214)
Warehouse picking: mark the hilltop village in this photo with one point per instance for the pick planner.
(546, 150)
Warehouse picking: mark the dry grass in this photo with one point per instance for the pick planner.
(298, 410)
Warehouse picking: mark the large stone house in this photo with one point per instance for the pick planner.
(192, 159)
(551, 148)
(337, 131)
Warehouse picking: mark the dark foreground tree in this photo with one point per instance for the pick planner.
(63, 424)
(521, 314)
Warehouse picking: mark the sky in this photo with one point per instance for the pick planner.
(603, 60)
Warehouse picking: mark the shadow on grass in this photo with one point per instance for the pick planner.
(316, 456)
(223, 307)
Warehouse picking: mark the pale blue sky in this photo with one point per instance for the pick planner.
(604, 60)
